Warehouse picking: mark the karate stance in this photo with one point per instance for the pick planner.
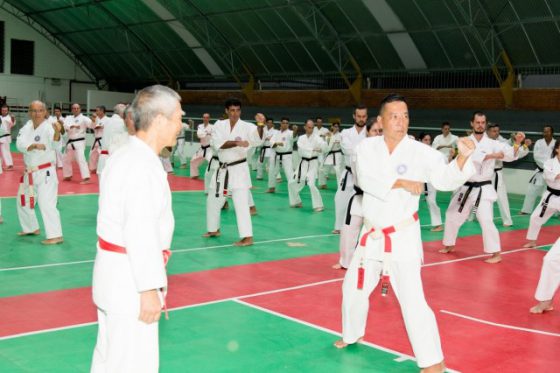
(549, 280)
(478, 194)
(7, 122)
(75, 126)
(204, 154)
(135, 226)
(550, 201)
(230, 140)
(390, 244)
(282, 143)
(37, 140)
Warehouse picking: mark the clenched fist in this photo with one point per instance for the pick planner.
(465, 146)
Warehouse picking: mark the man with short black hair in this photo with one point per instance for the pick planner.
(75, 125)
(97, 125)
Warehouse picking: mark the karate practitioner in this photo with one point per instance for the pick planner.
(446, 141)
(541, 152)
(549, 280)
(310, 146)
(390, 242)
(231, 140)
(550, 201)
(1, 218)
(322, 132)
(180, 149)
(7, 122)
(58, 117)
(75, 125)
(334, 159)
(114, 135)
(350, 138)
(204, 154)
(37, 140)
(350, 230)
(430, 191)
(135, 226)
(97, 125)
(266, 154)
(282, 144)
(478, 194)
(493, 132)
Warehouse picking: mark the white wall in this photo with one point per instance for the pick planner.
(50, 62)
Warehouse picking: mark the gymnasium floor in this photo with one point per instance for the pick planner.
(274, 306)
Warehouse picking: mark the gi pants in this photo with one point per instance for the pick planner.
(197, 160)
(6, 154)
(133, 347)
(534, 190)
(75, 150)
(435, 212)
(46, 196)
(94, 154)
(288, 172)
(181, 151)
(308, 176)
(536, 221)
(550, 274)
(350, 231)
(331, 164)
(342, 197)
(503, 203)
(406, 285)
(484, 214)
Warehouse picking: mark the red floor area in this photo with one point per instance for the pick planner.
(9, 181)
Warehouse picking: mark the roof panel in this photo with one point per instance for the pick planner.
(360, 16)
(430, 49)
(542, 45)
(384, 53)
(410, 16)
(516, 45)
(436, 12)
(457, 48)
(531, 9)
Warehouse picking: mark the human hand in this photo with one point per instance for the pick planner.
(150, 306)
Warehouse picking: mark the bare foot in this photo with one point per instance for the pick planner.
(271, 190)
(336, 231)
(447, 249)
(253, 210)
(10, 168)
(225, 206)
(34, 233)
(297, 205)
(194, 177)
(183, 166)
(319, 209)
(279, 180)
(324, 186)
(495, 258)
(53, 241)
(245, 241)
(438, 228)
(1, 220)
(68, 178)
(85, 181)
(436, 368)
(341, 344)
(530, 244)
(212, 234)
(542, 307)
(523, 213)
(337, 266)
(507, 225)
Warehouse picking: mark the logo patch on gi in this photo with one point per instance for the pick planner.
(401, 169)
(37, 138)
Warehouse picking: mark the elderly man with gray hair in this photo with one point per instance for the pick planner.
(134, 226)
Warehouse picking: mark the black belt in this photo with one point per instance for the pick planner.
(334, 156)
(96, 141)
(204, 148)
(496, 177)
(263, 150)
(281, 154)
(5, 135)
(533, 179)
(70, 141)
(212, 160)
(551, 192)
(308, 160)
(225, 166)
(345, 178)
(426, 189)
(359, 192)
(471, 185)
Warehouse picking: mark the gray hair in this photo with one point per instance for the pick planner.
(151, 102)
(119, 110)
(38, 102)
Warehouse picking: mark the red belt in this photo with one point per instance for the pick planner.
(388, 248)
(30, 191)
(105, 152)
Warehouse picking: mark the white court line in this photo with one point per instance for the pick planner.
(505, 326)
(481, 256)
(47, 330)
(174, 252)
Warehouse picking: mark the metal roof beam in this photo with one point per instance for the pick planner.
(525, 33)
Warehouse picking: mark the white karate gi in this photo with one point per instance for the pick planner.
(239, 178)
(45, 181)
(384, 207)
(265, 153)
(115, 135)
(309, 148)
(204, 154)
(541, 152)
(334, 159)
(6, 124)
(551, 170)
(435, 212)
(350, 138)
(500, 185)
(449, 140)
(431, 193)
(134, 213)
(95, 151)
(550, 274)
(59, 155)
(485, 211)
(322, 133)
(180, 149)
(282, 160)
(76, 148)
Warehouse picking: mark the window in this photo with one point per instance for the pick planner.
(23, 57)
